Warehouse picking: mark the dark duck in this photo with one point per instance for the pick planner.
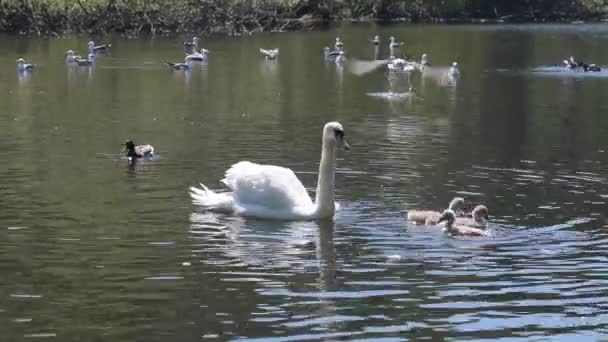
(135, 152)
(572, 64)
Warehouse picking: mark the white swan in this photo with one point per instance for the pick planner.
(270, 54)
(274, 192)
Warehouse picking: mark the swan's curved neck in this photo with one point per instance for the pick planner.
(326, 183)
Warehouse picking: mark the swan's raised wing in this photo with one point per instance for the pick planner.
(270, 186)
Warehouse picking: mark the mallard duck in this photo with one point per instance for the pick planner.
(139, 151)
(573, 64)
(270, 54)
(455, 229)
(591, 68)
(23, 66)
(431, 217)
(98, 48)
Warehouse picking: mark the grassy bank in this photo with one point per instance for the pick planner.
(248, 16)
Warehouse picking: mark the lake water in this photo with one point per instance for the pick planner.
(93, 249)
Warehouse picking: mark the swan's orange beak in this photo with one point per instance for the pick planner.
(346, 145)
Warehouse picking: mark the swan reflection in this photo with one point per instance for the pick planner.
(282, 247)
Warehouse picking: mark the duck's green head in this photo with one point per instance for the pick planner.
(129, 145)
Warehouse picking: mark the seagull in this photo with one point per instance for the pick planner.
(270, 54)
(71, 57)
(90, 60)
(393, 44)
(454, 72)
(202, 56)
(23, 66)
(338, 45)
(98, 48)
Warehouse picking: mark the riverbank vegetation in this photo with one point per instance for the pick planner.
(250, 16)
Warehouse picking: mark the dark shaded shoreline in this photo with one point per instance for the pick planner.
(248, 16)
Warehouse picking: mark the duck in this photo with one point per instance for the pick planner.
(270, 54)
(138, 151)
(180, 66)
(98, 48)
(572, 64)
(23, 66)
(591, 68)
(455, 229)
(431, 217)
(393, 44)
(454, 72)
(191, 46)
(201, 56)
(376, 40)
(71, 57)
(338, 45)
(275, 192)
(90, 60)
(479, 218)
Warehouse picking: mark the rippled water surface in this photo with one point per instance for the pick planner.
(94, 249)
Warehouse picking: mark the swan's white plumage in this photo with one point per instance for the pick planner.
(207, 198)
(269, 191)
(275, 186)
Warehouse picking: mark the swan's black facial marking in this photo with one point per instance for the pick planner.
(339, 134)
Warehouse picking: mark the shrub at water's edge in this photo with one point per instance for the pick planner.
(248, 16)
